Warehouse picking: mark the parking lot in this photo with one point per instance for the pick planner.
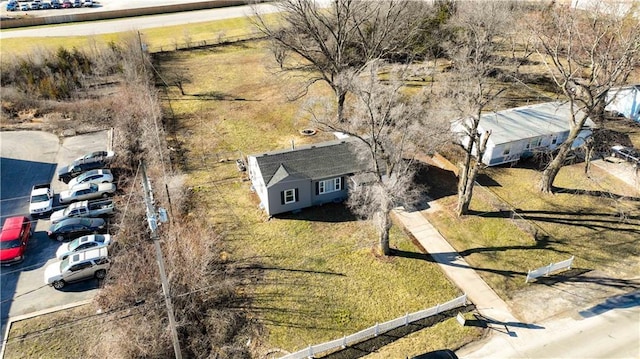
(28, 158)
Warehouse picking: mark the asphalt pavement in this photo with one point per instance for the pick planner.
(28, 158)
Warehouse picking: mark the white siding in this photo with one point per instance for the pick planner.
(258, 182)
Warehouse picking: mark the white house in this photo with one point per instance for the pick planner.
(625, 101)
(521, 132)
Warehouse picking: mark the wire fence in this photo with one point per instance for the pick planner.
(377, 329)
(545, 271)
(221, 39)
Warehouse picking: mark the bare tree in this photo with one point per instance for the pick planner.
(586, 53)
(475, 80)
(345, 36)
(388, 128)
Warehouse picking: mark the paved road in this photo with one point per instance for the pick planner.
(132, 24)
(608, 330)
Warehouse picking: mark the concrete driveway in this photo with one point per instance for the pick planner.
(620, 169)
(28, 158)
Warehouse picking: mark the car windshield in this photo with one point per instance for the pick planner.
(10, 244)
(40, 198)
(74, 244)
(64, 263)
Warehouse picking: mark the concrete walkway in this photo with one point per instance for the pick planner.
(487, 302)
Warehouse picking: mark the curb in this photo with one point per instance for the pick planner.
(18, 318)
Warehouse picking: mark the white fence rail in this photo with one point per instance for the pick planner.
(545, 271)
(376, 329)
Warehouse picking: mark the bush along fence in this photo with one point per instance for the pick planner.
(377, 329)
(545, 271)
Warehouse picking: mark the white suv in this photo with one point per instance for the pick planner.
(92, 263)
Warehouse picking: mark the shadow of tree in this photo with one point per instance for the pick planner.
(591, 220)
(219, 96)
(594, 193)
(450, 259)
(328, 212)
(621, 301)
(439, 182)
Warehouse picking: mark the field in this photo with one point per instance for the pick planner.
(322, 278)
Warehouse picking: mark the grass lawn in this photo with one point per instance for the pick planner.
(55, 335)
(156, 39)
(594, 219)
(321, 279)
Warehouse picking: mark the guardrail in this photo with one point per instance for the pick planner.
(545, 271)
(377, 329)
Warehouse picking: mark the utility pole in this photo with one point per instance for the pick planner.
(152, 218)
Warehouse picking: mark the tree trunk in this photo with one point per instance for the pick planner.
(341, 95)
(470, 172)
(464, 197)
(550, 173)
(385, 227)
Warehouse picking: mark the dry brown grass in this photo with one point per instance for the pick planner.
(320, 278)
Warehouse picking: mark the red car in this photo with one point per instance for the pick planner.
(67, 4)
(13, 239)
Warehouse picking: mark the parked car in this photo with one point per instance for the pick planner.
(627, 153)
(83, 243)
(13, 239)
(84, 209)
(77, 267)
(13, 6)
(66, 4)
(106, 156)
(41, 199)
(92, 176)
(56, 4)
(35, 5)
(45, 6)
(77, 3)
(88, 3)
(24, 7)
(86, 191)
(72, 228)
(77, 167)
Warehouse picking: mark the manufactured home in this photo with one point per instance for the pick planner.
(293, 179)
(624, 101)
(523, 131)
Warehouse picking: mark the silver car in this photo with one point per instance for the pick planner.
(92, 176)
(83, 243)
(87, 191)
(89, 264)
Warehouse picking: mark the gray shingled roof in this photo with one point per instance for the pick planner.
(318, 161)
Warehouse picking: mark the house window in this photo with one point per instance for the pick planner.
(554, 139)
(289, 196)
(328, 186)
(534, 142)
(507, 150)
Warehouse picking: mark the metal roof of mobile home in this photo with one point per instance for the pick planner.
(530, 121)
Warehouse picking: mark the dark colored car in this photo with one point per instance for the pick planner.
(437, 354)
(66, 173)
(627, 153)
(13, 239)
(71, 228)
